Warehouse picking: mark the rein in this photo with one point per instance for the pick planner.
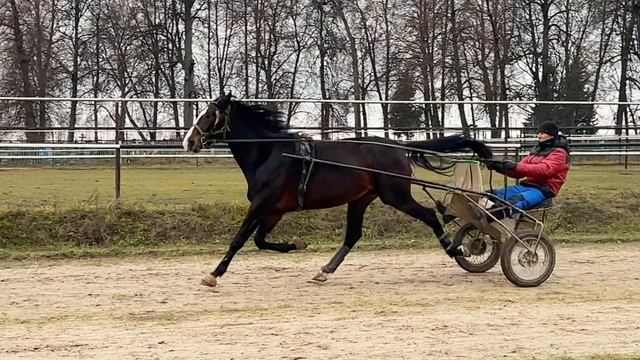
(395, 146)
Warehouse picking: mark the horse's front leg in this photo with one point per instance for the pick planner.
(247, 228)
(265, 228)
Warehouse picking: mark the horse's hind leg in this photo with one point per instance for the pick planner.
(265, 227)
(355, 216)
(404, 202)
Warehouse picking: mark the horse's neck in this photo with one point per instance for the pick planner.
(250, 156)
(247, 156)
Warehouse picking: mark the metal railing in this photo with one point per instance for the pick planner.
(509, 132)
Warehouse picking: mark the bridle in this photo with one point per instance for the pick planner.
(220, 116)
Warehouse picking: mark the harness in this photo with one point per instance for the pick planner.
(306, 151)
(303, 148)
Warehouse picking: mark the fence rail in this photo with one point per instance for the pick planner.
(166, 131)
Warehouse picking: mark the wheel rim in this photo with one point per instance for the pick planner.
(528, 264)
(480, 245)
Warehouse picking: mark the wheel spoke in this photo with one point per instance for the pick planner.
(529, 265)
(485, 252)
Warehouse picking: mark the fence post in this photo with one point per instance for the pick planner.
(626, 149)
(118, 171)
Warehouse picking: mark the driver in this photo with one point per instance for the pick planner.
(544, 171)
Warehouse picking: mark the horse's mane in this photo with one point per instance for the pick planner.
(270, 122)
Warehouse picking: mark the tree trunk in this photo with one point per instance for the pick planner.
(628, 22)
(500, 53)
(296, 64)
(188, 63)
(245, 60)
(445, 40)
(22, 60)
(324, 107)
(355, 68)
(257, 18)
(74, 70)
(603, 45)
(96, 79)
(209, 57)
(457, 68)
(387, 68)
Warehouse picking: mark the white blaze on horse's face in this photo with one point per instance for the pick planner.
(186, 142)
(193, 138)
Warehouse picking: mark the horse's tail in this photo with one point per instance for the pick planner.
(445, 145)
(450, 144)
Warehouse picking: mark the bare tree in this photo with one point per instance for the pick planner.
(627, 25)
(353, 51)
(122, 59)
(187, 62)
(76, 41)
(456, 32)
(376, 18)
(301, 42)
(501, 22)
(426, 24)
(22, 59)
(95, 62)
(538, 43)
(221, 29)
(325, 109)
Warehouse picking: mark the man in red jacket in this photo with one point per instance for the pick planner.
(544, 169)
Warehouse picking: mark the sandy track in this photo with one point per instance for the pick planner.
(381, 304)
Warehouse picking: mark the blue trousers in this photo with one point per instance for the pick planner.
(522, 197)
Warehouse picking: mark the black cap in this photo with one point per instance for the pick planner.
(549, 127)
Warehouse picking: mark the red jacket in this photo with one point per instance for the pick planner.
(546, 167)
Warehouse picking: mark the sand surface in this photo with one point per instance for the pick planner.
(409, 304)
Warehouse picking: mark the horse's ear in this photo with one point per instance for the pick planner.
(223, 100)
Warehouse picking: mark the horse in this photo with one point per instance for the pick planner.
(260, 140)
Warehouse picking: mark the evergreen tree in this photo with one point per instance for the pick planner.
(574, 87)
(404, 115)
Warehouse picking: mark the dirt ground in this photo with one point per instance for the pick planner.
(380, 305)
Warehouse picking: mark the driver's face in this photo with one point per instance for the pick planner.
(542, 136)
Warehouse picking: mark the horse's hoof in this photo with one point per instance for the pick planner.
(464, 250)
(320, 277)
(300, 245)
(460, 251)
(209, 280)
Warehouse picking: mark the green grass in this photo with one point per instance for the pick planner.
(71, 187)
(71, 212)
(188, 185)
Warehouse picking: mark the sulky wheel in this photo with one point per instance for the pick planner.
(485, 251)
(528, 268)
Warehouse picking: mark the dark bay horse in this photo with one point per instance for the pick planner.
(274, 180)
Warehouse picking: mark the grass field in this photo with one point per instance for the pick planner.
(188, 209)
(162, 187)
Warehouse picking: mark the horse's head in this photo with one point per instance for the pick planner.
(213, 123)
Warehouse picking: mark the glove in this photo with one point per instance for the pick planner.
(500, 166)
